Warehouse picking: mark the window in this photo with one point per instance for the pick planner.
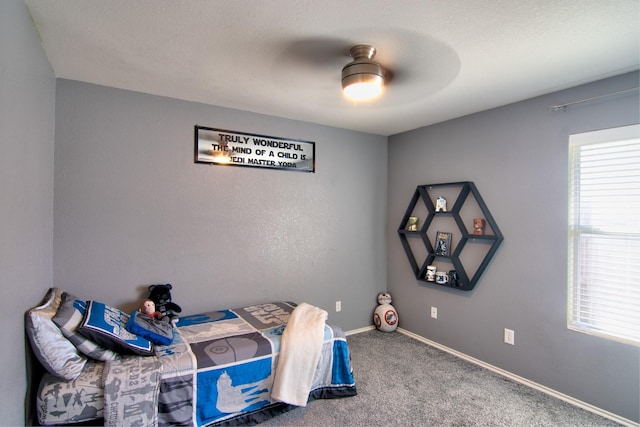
(604, 233)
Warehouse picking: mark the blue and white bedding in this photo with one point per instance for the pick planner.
(219, 369)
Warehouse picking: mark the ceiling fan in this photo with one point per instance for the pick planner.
(312, 67)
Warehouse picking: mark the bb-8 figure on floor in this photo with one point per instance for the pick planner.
(385, 316)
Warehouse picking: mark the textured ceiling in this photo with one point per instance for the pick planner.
(284, 57)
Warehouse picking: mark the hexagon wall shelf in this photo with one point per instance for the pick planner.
(471, 250)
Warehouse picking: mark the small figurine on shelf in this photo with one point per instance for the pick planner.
(412, 223)
(431, 273)
(478, 226)
(453, 278)
(441, 204)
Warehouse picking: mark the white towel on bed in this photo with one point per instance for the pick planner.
(300, 349)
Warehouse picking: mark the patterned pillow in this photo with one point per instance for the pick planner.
(106, 326)
(55, 352)
(68, 318)
(157, 331)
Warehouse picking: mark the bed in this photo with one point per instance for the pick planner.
(222, 367)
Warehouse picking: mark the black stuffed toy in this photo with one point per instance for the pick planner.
(161, 296)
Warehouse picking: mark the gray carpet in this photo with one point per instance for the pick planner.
(404, 382)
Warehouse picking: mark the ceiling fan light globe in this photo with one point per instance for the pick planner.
(362, 91)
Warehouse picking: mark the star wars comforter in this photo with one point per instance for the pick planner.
(218, 370)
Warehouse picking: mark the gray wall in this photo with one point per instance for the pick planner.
(27, 100)
(517, 156)
(132, 209)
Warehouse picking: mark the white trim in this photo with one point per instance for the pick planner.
(601, 161)
(519, 379)
(604, 135)
(357, 331)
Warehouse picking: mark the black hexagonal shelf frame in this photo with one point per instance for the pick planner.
(483, 246)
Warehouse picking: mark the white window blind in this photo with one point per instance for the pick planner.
(604, 233)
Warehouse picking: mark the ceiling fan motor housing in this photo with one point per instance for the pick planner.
(363, 69)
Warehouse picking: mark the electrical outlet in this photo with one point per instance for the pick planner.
(338, 306)
(434, 312)
(509, 336)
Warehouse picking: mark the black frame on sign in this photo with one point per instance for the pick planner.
(253, 150)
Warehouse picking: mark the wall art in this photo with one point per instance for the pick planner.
(227, 147)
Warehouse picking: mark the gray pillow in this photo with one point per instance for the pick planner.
(55, 352)
(68, 319)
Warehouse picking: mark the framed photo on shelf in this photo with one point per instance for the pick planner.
(443, 243)
(412, 223)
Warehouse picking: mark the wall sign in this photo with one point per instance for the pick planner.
(227, 147)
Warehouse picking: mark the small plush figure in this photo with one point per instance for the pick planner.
(148, 307)
(441, 204)
(385, 316)
(161, 296)
(148, 323)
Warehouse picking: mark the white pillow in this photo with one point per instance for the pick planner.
(55, 352)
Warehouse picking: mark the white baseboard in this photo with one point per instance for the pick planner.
(357, 331)
(514, 377)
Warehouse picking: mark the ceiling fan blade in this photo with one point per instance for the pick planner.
(316, 52)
